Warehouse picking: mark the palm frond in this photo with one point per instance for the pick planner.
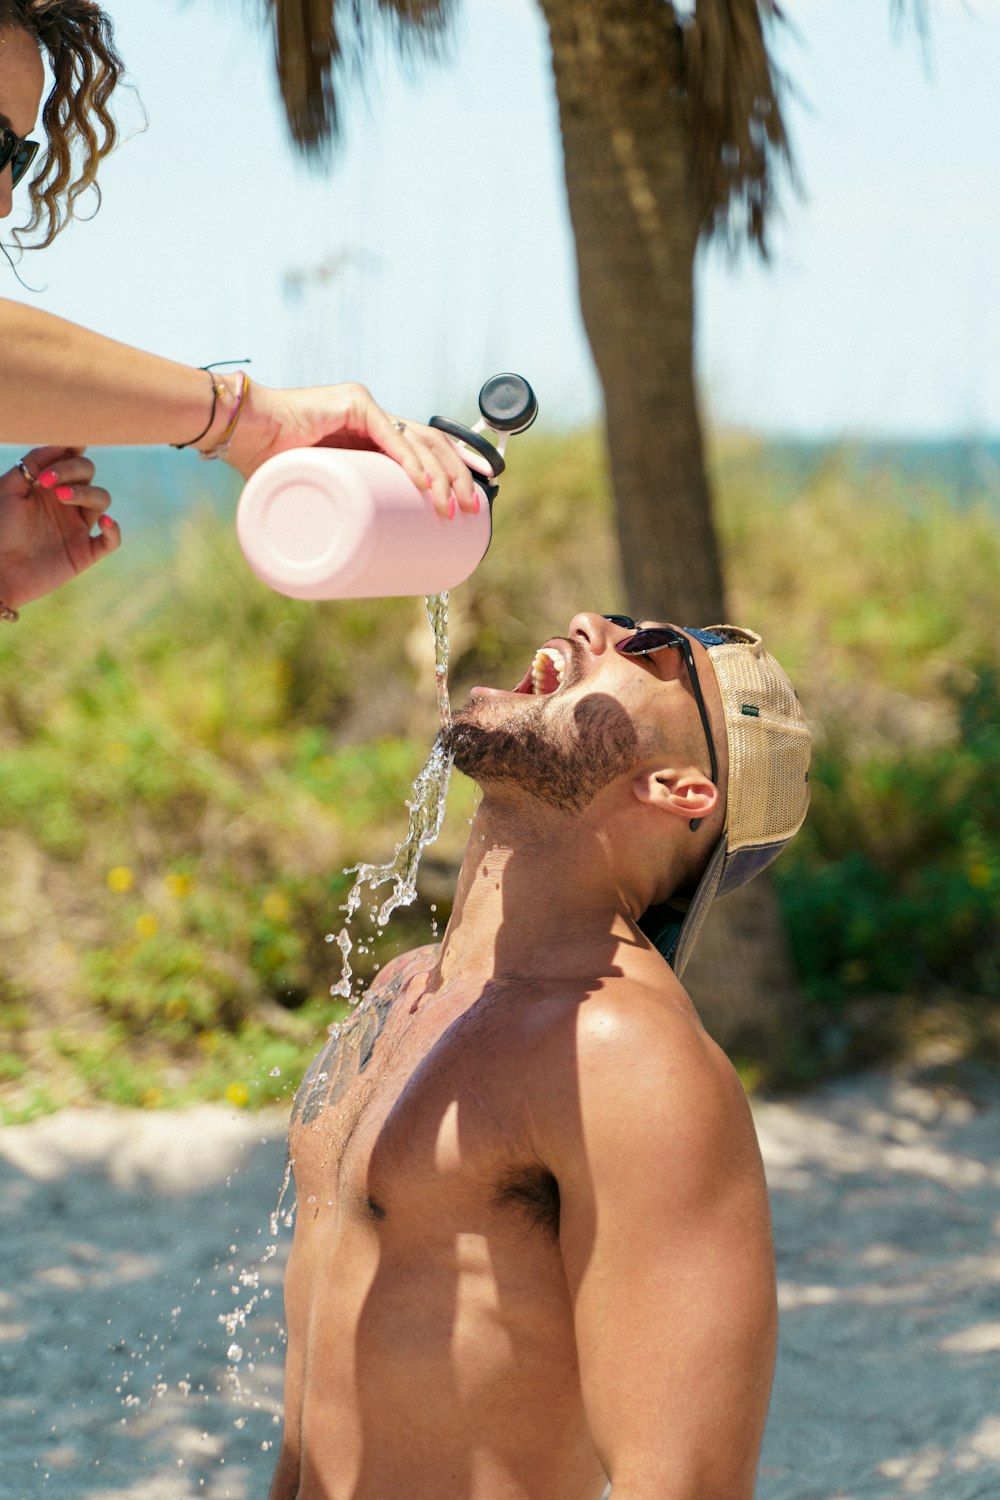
(737, 129)
(320, 42)
(913, 11)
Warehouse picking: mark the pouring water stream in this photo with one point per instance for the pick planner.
(426, 805)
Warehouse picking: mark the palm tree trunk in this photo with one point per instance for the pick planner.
(619, 78)
(618, 68)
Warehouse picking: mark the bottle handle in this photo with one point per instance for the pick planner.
(474, 440)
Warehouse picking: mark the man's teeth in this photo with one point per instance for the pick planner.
(547, 671)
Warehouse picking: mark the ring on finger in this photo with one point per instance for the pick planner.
(399, 426)
(31, 478)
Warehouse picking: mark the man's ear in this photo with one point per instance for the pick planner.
(685, 794)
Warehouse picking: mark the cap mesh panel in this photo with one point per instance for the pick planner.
(768, 751)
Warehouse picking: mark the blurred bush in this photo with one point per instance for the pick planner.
(190, 763)
(881, 599)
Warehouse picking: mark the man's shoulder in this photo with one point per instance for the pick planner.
(636, 1064)
(643, 1021)
(399, 970)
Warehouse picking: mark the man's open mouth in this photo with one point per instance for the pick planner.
(546, 673)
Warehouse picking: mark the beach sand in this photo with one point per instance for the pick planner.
(128, 1239)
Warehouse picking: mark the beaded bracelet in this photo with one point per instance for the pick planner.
(222, 446)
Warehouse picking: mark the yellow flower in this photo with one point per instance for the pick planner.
(237, 1094)
(120, 879)
(178, 885)
(146, 926)
(275, 906)
(979, 876)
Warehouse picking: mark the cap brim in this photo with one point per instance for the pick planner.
(701, 901)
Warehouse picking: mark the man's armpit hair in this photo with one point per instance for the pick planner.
(534, 1189)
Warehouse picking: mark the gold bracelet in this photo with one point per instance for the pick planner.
(222, 447)
(6, 613)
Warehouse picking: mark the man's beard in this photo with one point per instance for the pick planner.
(563, 763)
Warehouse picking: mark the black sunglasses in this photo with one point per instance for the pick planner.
(662, 638)
(17, 152)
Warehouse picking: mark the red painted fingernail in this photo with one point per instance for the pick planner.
(65, 492)
(48, 479)
(427, 480)
(475, 503)
(106, 523)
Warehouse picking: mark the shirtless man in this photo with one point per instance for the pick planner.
(532, 1252)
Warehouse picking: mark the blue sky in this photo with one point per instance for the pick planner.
(436, 249)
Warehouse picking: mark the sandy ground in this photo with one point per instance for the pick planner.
(127, 1239)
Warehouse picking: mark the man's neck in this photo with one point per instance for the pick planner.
(538, 896)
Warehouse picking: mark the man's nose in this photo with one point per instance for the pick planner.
(594, 631)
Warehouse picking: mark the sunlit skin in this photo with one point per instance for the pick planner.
(532, 1247)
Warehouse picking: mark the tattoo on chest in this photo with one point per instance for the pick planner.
(349, 1050)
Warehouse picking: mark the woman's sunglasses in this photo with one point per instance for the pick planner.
(19, 154)
(663, 638)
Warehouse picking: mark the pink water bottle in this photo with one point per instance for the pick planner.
(340, 523)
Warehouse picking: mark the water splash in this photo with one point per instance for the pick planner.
(249, 1281)
(426, 805)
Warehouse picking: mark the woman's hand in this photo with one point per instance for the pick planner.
(45, 527)
(348, 416)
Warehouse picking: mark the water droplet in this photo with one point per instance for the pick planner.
(234, 1353)
(275, 1073)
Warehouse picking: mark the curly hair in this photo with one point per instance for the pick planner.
(77, 40)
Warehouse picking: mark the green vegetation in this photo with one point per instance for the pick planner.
(190, 762)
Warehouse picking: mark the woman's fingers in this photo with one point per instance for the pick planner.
(108, 539)
(439, 450)
(39, 460)
(59, 473)
(433, 463)
(89, 498)
(402, 441)
(429, 457)
(67, 474)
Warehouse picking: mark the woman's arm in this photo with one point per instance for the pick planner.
(70, 387)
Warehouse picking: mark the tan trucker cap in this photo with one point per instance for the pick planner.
(768, 790)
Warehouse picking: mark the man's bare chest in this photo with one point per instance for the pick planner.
(416, 1107)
